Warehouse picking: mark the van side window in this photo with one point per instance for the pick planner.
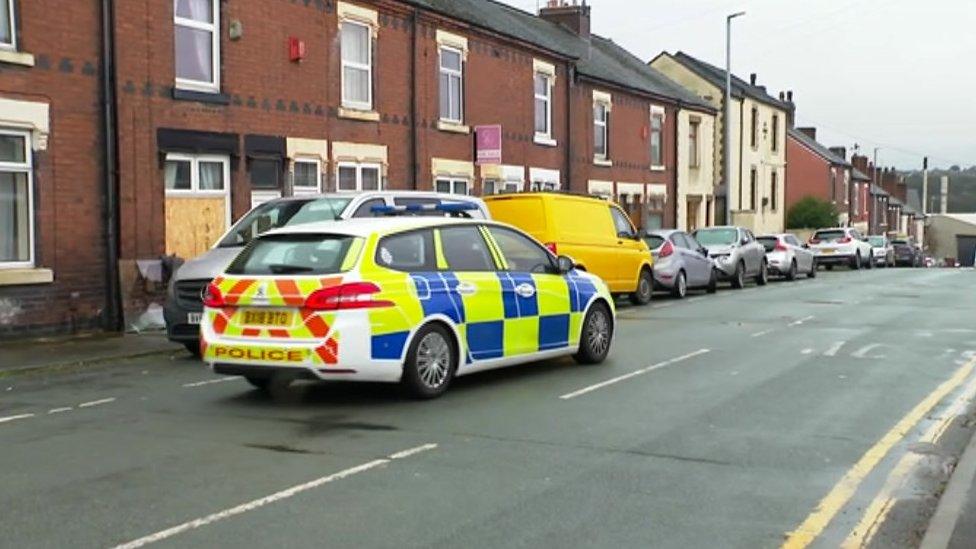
(465, 249)
(621, 223)
(409, 252)
(521, 252)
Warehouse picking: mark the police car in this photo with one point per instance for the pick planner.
(415, 300)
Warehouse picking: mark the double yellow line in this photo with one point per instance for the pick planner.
(834, 501)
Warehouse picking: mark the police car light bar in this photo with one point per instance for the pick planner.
(448, 208)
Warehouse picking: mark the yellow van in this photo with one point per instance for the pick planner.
(596, 233)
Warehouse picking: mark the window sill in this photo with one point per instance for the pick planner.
(17, 58)
(25, 276)
(212, 98)
(358, 114)
(453, 127)
(545, 141)
(658, 168)
(603, 162)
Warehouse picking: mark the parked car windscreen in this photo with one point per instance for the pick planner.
(295, 254)
(768, 242)
(714, 237)
(653, 241)
(273, 215)
(830, 236)
(877, 241)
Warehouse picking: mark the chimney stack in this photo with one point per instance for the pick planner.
(839, 151)
(810, 132)
(752, 79)
(574, 16)
(944, 201)
(789, 96)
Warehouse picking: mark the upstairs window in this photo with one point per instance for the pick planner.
(774, 143)
(197, 41)
(357, 65)
(693, 153)
(601, 123)
(657, 137)
(754, 133)
(543, 105)
(16, 200)
(452, 85)
(7, 26)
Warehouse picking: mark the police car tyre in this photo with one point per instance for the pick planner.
(645, 288)
(596, 335)
(194, 348)
(712, 283)
(431, 362)
(262, 382)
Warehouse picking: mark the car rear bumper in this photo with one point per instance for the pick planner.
(178, 328)
(834, 259)
(778, 262)
(665, 273)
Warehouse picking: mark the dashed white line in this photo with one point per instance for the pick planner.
(806, 351)
(277, 496)
(662, 305)
(60, 410)
(96, 402)
(635, 373)
(15, 418)
(801, 321)
(834, 349)
(762, 333)
(212, 381)
(863, 351)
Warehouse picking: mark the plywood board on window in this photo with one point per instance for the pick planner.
(193, 224)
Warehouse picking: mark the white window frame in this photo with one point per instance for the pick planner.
(656, 112)
(195, 160)
(214, 30)
(28, 168)
(694, 145)
(368, 67)
(546, 136)
(452, 73)
(453, 180)
(318, 176)
(359, 167)
(605, 124)
(12, 45)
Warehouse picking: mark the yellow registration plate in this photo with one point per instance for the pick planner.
(828, 251)
(278, 319)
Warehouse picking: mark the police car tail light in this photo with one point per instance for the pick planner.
(551, 246)
(355, 295)
(212, 297)
(666, 250)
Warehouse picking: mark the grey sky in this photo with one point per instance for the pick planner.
(894, 74)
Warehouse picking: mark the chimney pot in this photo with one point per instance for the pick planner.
(752, 79)
(575, 16)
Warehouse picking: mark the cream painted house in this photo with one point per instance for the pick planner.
(757, 180)
(696, 169)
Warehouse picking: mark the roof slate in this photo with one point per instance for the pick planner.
(816, 147)
(740, 88)
(598, 58)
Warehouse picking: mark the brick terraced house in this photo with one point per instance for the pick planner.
(215, 106)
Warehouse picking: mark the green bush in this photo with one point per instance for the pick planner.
(811, 213)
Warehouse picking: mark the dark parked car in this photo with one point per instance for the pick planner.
(906, 253)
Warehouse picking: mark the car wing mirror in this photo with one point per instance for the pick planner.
(565, 264)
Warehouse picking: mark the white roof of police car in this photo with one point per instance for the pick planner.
(365, 226)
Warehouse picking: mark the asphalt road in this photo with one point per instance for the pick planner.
(816, 408)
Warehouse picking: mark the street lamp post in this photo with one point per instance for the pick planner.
(727, 146)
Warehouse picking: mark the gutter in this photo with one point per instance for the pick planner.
(113, 316)
(570, 83)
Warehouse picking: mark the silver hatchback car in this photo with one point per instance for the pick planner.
(736, 253)
(787, 256)
(680, 263)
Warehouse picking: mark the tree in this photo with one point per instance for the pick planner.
(811, 213)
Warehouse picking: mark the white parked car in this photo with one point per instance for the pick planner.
(841, 246)
(787, 256)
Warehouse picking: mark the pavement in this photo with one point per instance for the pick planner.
(60, 353)
(821, 413)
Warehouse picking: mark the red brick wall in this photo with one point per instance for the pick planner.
(808, 174)
(629, 143)
(68, 177)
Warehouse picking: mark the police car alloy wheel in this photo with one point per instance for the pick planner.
(596, 336)
(430, 363)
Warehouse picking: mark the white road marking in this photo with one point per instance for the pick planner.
(801, 321)
(96, 402)
(835, 348)
(694, 299)
(806, 351)
(15, 418)
(277, 496)
(212, 381)
(60, 410)
(662, 305)
(762, 333)
(635, 373)
(863, 351)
